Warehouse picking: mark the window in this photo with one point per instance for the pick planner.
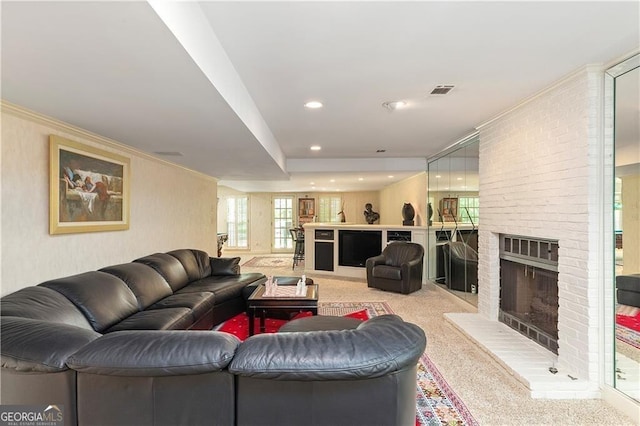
(238, 222)
(469, 209)
(329, 209)
(282, 222)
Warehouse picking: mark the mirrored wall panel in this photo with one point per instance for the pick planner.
(626, 224)
(453, 232)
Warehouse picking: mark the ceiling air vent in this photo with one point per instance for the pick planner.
(169, 153)
(442, 89)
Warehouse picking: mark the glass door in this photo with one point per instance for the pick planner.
(282, 223)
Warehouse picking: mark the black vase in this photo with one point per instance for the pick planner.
(408, 213)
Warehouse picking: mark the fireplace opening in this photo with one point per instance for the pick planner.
(529, 288)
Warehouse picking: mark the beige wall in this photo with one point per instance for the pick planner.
(411, 190)
(631, 224)
(171, 208)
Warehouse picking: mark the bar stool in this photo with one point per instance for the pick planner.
(297, 235)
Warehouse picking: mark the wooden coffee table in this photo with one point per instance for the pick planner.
(260, 304)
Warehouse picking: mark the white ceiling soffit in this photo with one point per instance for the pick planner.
(116, 69)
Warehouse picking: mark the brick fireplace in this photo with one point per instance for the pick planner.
(539, 177)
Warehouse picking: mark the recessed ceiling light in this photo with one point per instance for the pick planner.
(313, 187)
(315, 148)
(332, 180)
(360, 179)
(312, 183)
(313, 105)
(438, 176)
(393, 105)
(459, 178)
(390, 176)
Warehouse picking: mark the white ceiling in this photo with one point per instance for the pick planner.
(224, 82)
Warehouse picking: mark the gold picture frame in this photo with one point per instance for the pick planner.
(89, 188)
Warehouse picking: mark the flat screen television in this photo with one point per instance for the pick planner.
(355, 247)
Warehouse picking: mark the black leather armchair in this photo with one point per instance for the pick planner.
(460, 266)
(398, 268)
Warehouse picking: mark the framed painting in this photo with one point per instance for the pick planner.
(89, 188)
(449, 209)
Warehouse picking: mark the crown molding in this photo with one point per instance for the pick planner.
(555, 85)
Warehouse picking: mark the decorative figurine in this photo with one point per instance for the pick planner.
(369, 215)
(408, 213)
(341, 215)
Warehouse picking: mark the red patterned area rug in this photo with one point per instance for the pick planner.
(628, 325)
(436, 402)
(628, 329)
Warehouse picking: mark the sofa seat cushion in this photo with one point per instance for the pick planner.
(147, 284)
(42, 303)
(388, 272)
(198, 303)
(34, 346)
(103, 298)
(169, 267)
(223, 287)
(156, 319)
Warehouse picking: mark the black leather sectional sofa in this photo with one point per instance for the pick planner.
(131, 344)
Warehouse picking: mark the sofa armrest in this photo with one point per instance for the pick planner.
(156, 353)
(413, 262)
(376, 260)
(379, 346)
(373, 261)
(411, 267)
(35, 346)
(225, 265)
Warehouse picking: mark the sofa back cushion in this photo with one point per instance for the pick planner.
(399, 252)
(143, 280)
(42, 303)
(459, 250)
(103, 298)
(36, 346)
(169, 267)
(382, 345)
(195, 262)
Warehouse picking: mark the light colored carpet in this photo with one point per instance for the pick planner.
(492, 395)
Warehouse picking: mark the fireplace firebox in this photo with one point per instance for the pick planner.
(529, 288)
